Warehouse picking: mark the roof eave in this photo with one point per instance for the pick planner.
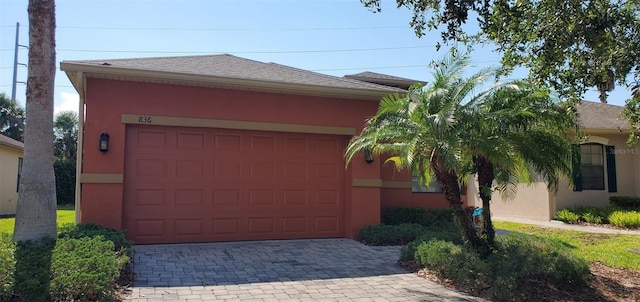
(606, 131)
(111, 72)
(12, 146)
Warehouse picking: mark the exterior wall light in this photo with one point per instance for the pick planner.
(368, 155)
(104, 142)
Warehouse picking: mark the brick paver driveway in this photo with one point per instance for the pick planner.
(287, 270)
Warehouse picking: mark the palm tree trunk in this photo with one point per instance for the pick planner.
(36, 207)
(485, 181)
(449, 183)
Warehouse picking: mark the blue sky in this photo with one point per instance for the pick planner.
(335, 37)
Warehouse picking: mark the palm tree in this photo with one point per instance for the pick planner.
(11, 118)
(507, 134)
(422, 130)
(66, 135)
(36, 207)
(516, 134)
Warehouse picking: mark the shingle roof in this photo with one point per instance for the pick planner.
(229, 66)
(10, 142)
(383, 79)
(594, 115)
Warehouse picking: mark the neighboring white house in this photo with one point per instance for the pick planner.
(609, 168)
(11, 152)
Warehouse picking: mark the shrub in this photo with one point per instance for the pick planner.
(407, 253)
(7, 266)
(33, 269)
(625, 202)
(454, 262)
(383, 234)
(93, 230)
(85, 269)
(82, 265)
(515, 268)
(592, 214)
(431, 218)
(567, 216)
(625, 219)
(592, 218)
(531, 257)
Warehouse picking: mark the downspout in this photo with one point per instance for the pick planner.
(80, 79)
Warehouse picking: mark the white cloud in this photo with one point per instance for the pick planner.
(68, 101)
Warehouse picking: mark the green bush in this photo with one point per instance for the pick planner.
(82, 265)
(567, 216)
(85, 269)
(431, 218)
(7, 266)
(65, 171)
(407, 253)
(517, 265)
(595, 215)
(625, 219)
(93, 230)
(592, 218)
(454, 262)
(33, 269)
(625, 202)
(383, 234)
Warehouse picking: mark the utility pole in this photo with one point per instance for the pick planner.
(15, 63)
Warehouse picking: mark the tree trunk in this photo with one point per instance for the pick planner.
(449, 183)
(36, 207)
(485, 182)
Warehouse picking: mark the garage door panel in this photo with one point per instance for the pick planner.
(227, 169)
(226, 198)
(189, 227)
(295, 225)
(296, 170)
(149, 197)
(263, 170)
(192, 169)
(154, 140)
(226, 226)
(189, 197)
(327, 198)
(295, 145)
(262, 144)
(261, 198)
(190, 141)
(227, 141)
(295, 197)
(219, 185)
(327, 224)
(327, 171)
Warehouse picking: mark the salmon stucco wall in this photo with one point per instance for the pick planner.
(9, 158)
(107, 100)
(396, 190)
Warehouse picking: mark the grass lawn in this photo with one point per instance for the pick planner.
(66, 214)
(614, 250)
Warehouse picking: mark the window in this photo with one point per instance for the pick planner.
(416, 187)
(592, 166)
(19, 173)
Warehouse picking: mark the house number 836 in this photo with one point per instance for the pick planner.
(144, 119)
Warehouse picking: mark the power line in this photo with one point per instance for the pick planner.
(234, 29)
(245, 52)
(228, 28)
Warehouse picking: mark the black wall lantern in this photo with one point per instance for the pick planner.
(104, 142)
(368, 155)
